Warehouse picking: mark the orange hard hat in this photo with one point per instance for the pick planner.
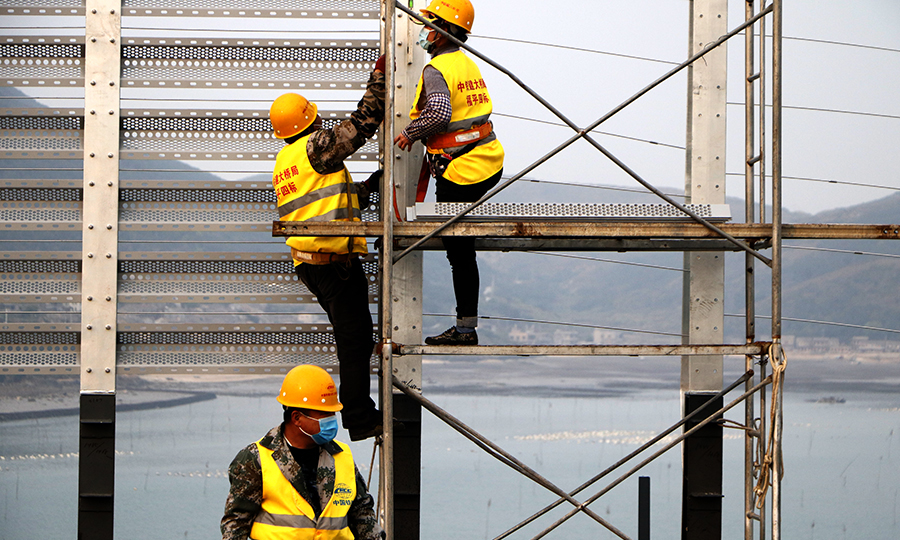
(290, 114)
(309, 387)
(458, 12)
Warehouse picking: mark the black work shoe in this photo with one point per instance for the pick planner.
(374, 431)
(453, 337)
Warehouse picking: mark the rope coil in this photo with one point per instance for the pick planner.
(771, 454)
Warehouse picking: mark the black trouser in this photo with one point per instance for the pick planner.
(461, 250)
(342, 290)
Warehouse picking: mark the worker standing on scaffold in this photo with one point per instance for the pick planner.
(313, 184)
(451, 115)
(297, 481)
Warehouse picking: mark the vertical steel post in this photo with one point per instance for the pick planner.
(96, 466)
(387, 256)
(406, 285)
(776, 256)
(750, 76)
(704, 282)
(763, 155)
(762, 121)
(643, 508)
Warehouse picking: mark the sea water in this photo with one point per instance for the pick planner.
(842, 467)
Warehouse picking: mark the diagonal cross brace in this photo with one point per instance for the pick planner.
(501, 455)
(583, 133)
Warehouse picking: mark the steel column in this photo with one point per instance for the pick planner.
(406, 302)
(776, 255)
(386, 486)
(96, 467)
(704, 282)
(751, 156)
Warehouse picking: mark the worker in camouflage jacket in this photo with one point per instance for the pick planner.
(297, 481)
(312, 184)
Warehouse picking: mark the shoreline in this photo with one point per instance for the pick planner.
(25, 397)
(35, 411)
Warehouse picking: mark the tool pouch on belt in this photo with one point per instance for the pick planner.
(438, 163)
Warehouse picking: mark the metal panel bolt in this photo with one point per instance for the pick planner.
(112, 12)
(107, 370)
(112, 40)
(108, 298)
(91, 183)
(109, 227)
(93, 83)
(92, 155)
(109, 327)
(91, 226)
(94, 11)
(109, 255)
(89, 370)
(93, 40)
(110, 182)
(89, 327)
(109, 155)
(89, 298)
(90, 255)
(93, 112)
(112, 111)
(112, 83)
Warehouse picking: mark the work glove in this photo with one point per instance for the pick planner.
(373, 182)
(363, 195)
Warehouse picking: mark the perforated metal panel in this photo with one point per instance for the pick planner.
(43, 7)
(568, 211)
(319, 9)
(192, 278)
(181, 135)
(218, 63)
(42, 61)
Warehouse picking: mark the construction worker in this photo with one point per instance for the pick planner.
(312, 184)
(451, 115)
(297, 481)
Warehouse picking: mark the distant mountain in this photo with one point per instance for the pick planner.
(817, 285)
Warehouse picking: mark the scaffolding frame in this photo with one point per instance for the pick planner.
(94, 357)
(753, 497)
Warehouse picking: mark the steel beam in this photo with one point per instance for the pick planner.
(585, 350)
(537, 229)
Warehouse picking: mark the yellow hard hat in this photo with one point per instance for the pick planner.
(290, 114)
(458, 12)
(309, 387)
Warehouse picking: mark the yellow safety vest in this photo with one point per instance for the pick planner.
(472, 106)
(305, 195)
(285, 515)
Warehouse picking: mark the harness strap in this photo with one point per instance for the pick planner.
(460, 138)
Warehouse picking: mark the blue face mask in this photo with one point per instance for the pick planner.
(328, 428)
(423, 38)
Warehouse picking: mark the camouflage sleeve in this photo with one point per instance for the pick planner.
(245, 496)
(363, 521)
(328, 148)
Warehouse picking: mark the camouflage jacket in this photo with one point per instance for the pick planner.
(328, 148)
(245, 497)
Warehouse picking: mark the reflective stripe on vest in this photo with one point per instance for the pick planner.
(285, 515)
(472, 106)
(305, 195)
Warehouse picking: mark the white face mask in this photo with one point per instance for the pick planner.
(423, 38)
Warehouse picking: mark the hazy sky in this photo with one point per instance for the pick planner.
(585, 85)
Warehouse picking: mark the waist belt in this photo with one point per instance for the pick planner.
(321, 258)
(460, 138)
